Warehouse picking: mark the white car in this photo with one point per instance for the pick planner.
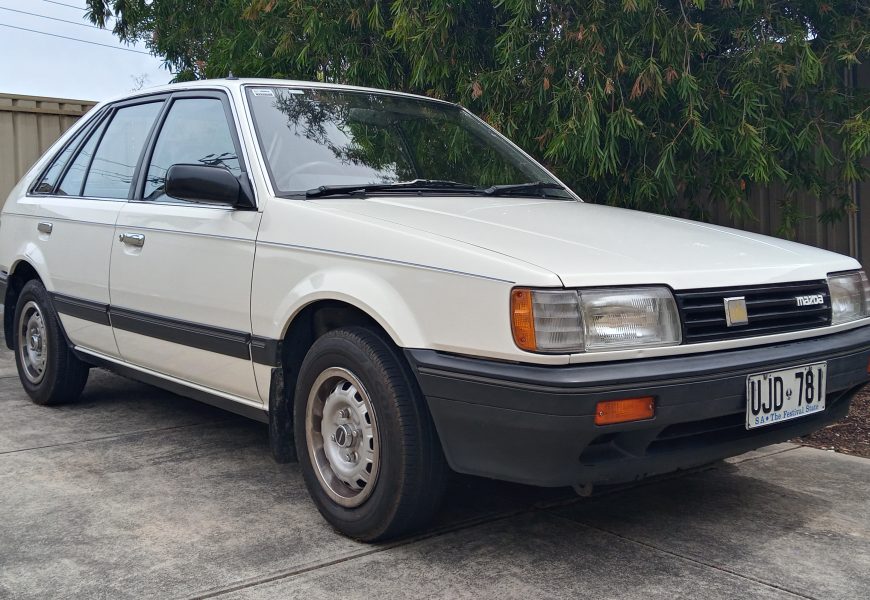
(397, 290)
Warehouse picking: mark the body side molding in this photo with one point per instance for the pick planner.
(266, 351)
(81, 309)
(228, 342)
(204, 337)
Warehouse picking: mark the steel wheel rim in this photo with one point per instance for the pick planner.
(32, 342)
(342, 437)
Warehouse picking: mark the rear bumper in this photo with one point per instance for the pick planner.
(535, 424)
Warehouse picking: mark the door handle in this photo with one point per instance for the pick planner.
(44, 227)
(132, 239)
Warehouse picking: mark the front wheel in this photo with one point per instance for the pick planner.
(49, 371)
(367, 446)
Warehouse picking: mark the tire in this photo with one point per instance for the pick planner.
(49, 371)
(394, 480)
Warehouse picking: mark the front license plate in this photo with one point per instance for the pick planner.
(778, 396)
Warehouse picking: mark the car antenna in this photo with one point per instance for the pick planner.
(231, 77)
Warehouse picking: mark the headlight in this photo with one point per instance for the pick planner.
(559, 321)
(850, 296)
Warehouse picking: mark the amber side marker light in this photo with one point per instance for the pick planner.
(609, 412)
(523, 320)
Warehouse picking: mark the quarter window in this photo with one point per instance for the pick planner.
(196, 131)
(114, 163)
(75, 175)
(50, 176)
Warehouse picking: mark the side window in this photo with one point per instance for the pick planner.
(75, 175)
(196, 131)
(114, 162)
(50, 176)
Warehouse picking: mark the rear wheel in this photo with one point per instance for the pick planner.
(49, 371)
(366, 443)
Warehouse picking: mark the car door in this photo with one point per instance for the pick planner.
(77, 201)
(180, 276)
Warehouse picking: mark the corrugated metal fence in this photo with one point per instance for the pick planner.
(850, 235)
(28, 126)
(841, 236)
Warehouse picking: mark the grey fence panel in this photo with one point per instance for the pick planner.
(764, 202)
(28, 126)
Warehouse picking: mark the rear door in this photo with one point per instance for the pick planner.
(181, 271)
(76, 202)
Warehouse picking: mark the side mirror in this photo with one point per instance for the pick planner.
(201, 183)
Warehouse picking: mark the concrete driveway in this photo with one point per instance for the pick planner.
(134, 492)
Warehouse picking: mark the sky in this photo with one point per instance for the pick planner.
(35, 64)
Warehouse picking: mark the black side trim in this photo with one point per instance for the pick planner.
(266, 351)
(4, 283)
(229, 342)
(81, 309)
(177, 388)
(222, 341)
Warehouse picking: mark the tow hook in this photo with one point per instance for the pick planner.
(583, 489)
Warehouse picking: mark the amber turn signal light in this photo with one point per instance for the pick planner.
(609, 412)
(523, 319)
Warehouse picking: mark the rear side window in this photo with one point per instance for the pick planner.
(114, 163)
(195, 132)
(75, 175)
(50, 176)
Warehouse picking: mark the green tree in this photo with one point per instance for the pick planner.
(667, 105)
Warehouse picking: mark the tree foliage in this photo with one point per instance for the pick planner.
(667, 105)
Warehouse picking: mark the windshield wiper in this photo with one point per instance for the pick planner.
(415, 185)
(532, 186)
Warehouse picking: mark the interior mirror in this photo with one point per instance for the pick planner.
(201, 183)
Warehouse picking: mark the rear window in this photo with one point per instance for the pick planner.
(114, 163)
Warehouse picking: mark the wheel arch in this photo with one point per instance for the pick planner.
(319, 317)
(20, 273)
(313, 320)
(382, 301)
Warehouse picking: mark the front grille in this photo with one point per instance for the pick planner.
(771, 309)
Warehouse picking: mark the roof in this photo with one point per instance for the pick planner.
(236, 83)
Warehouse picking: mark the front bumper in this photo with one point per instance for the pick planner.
(535, 424)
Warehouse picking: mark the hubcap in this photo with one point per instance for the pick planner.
(32, 342)
(342, 437)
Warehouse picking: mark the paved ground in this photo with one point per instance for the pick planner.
(133, 492)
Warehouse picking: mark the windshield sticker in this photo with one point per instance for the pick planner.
(262, 92)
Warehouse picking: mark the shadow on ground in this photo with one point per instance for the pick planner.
(133, 492)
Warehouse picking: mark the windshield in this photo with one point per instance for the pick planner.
(316, 137)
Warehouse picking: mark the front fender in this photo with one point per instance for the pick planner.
(418, 306)
(375, 296)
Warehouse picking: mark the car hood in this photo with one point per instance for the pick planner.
(589, 244)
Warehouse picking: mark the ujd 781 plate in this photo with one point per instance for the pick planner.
(786, 394)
